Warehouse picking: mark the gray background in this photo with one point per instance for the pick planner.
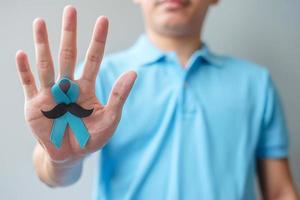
(266, 32)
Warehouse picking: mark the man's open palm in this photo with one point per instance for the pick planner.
(103, 121)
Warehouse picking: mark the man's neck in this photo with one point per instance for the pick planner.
(183, 46)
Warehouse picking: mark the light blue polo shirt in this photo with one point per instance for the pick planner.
(192, 133)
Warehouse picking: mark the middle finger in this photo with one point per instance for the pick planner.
(68, 49)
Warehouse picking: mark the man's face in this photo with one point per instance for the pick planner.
(174, 17)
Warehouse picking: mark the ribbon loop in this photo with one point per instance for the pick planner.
(60, 96)
(65, 93)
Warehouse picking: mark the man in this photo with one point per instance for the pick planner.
(196, 125)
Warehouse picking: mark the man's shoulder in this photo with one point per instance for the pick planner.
(243, 65)
(247, 77)
(243, 68)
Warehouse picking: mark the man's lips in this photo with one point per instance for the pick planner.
(173, 4)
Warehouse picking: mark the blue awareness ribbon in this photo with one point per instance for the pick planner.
(60, 124)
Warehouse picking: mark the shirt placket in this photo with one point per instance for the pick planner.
(187, 101)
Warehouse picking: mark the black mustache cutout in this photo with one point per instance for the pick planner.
(60, 109)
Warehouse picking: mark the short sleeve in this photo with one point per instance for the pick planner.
(273, 139)
(100, 89)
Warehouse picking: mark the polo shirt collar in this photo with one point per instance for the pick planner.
(148, 53)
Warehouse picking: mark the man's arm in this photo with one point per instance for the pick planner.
(276, 182)
(61, 164)
(55, 173)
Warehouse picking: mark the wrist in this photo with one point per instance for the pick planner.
(62, 173)
(56, 172)
(62, 163)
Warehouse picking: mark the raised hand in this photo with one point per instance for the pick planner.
(102, 123)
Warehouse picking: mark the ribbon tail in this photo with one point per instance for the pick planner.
(58, 130)
(79, 130)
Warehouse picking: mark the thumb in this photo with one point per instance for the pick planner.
(120, 91)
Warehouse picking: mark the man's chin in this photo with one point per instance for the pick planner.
(173, 30)
(172, 19)
(173, 23)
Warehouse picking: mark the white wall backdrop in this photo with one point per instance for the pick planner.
(266, 32)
